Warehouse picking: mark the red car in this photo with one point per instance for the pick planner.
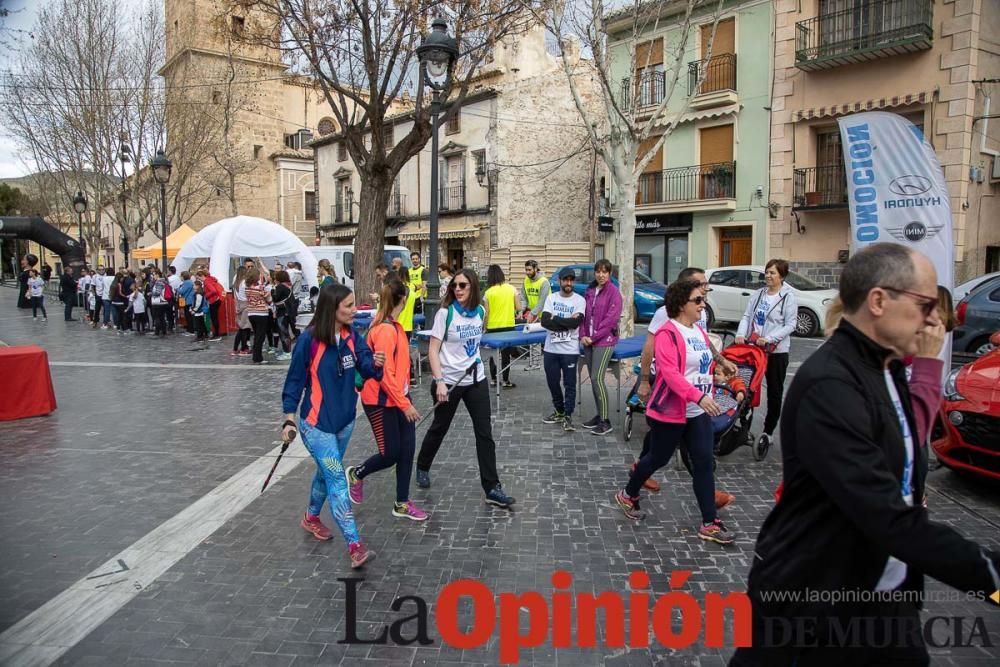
(966, 437)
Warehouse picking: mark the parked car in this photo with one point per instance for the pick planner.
(342, 259)
(978, 316)
(963, 290)
(732, 287)
(647, 293)
(966, 436)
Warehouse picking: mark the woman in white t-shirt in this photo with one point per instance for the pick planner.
(457, 375)
(680, 408)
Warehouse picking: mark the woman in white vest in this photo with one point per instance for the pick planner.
(457, 376)
(769, 322)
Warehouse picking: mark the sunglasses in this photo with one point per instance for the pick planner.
(698, 300)
(927, 303)
(460, 285)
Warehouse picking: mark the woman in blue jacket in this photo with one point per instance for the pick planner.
(598, 336)
(323, 380)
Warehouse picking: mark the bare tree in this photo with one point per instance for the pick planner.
(362, 54)
(623, 123)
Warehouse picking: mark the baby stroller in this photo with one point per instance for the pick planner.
(732, 427)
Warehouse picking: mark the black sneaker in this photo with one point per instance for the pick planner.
(568, 423)
(555, 418)
(497, 497)
(592, 422)
(716, 532)
(602, 428)
(423, 478)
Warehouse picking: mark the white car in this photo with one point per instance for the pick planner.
(732, 287)
(961, 291)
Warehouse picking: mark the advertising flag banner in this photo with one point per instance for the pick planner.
(896, 188)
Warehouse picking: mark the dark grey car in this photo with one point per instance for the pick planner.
(979, 318)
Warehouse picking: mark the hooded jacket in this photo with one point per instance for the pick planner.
(672, 392)
(779, 321)
(323, 379)
(841, 513)
(604, 308)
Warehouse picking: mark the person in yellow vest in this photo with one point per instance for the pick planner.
(418, 278)
(502, 302)
(412, 293)
(536, 289)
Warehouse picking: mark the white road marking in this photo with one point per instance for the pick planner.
(47, 633)
(98, 364)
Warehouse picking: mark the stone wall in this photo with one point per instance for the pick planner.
(826, 274)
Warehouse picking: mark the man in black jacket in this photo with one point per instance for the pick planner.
(840, 561)
(67, 293)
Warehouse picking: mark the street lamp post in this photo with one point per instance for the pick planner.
(437, 54)
(161, 173)
(80, 206)
(124, 152)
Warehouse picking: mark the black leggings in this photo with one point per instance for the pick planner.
(505, 355)
(396, 438)
(777, 365)
(477, 401)
(260, 324)
(664, 437)
(214, 309)
(241, 341)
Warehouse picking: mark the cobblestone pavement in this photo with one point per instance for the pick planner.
(146, 427)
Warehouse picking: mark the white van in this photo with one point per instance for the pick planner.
(342, 259)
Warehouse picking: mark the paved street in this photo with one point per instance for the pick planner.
(118, 503)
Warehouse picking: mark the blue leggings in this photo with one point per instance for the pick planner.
(328, 451)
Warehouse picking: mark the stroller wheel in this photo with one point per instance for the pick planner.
(762, 446)
(627, 424)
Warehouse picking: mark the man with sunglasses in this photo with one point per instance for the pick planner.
(849, 543)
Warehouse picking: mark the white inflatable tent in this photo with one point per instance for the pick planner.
(245, 236)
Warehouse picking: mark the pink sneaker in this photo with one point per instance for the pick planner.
(359, 555)
(316, 527)
(408, 510)
(355, 486)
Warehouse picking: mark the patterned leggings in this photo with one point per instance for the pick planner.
(328, 451)
(597, 360)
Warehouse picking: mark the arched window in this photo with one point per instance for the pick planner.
(326, 126)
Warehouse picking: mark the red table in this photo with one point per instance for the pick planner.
(25, 383)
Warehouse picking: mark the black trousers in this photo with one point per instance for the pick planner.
(188, 319)
(171, 315)
(213, 309)
(774, 376)
(505, 355)
(260, 324)
(68, 312)
(477, 401)
(396, 438)
(160, 319)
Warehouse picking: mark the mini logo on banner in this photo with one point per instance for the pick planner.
(909, 186)
(915, 231)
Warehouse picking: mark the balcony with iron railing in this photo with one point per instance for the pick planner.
(451, 198)
(869, 30)
(702, 187)
(819, 188)
(718, 81)
(646, 91)
(397, 205)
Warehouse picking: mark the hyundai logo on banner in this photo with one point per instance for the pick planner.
(910, 186)
(896, 188)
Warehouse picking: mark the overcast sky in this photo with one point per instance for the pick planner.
(21, 18)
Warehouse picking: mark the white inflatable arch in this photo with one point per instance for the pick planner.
(245, 236)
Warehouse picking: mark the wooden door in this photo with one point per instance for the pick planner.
(718, 72)
(715, 176)
(736, 246)
(649, 189)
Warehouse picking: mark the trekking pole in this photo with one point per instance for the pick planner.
(284, 447)
(447, 396)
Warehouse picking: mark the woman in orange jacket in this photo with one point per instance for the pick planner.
(387, 404)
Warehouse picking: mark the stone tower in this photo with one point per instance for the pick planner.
(221, 86)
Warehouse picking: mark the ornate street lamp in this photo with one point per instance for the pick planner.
(80, 206)
(161, 174)
(437, 53)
